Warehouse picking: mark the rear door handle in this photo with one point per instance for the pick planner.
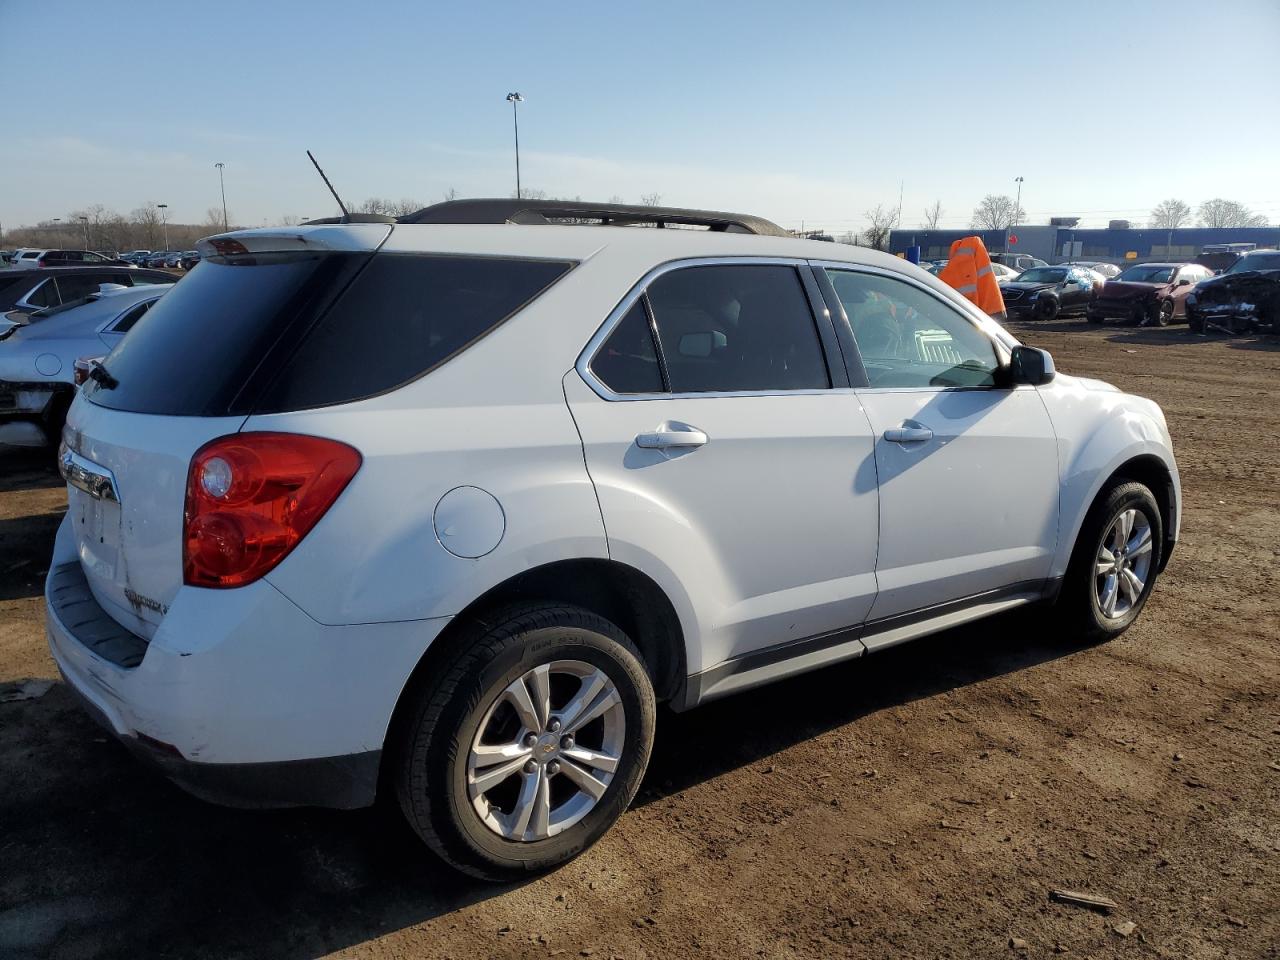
(909, 432)
(670, 435)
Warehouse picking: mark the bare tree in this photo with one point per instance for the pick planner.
(146, 219)
(213, 219)
(932, 214)
(376, 205)
(883, 220)
(1170, 214)
(616, 199)
(650, 199)
(450, 194)
(531, 193)
(997, 213)
(1228, 213)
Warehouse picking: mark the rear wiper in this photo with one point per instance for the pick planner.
(98, 374)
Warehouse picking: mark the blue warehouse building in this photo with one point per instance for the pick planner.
(1056, 244)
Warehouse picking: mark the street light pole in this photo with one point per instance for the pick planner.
(57, 229)
(223, 187)
(1017, 209)
(164, 218)
(85, 221)
(514, 99)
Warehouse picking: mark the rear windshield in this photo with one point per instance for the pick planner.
(280, 332)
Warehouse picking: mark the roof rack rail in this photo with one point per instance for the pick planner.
(350, 218)
(608, 214)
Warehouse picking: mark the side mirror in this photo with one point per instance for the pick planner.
(1030, 365)
(1184, 282)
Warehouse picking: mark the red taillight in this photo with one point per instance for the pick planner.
(82, 368)
(251, 497)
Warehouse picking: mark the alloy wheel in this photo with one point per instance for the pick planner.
(546, 750)
(1123, 564)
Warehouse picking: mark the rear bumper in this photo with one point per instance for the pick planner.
(1122, 309)
(239, 697)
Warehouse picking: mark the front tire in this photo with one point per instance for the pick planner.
(522, 751)
(1047, 309)
(1115, 563)
(1164, 313)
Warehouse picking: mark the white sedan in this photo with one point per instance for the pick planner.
(37, 359)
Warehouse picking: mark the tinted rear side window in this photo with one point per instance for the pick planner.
(737, 328)
(403, 316)
(201, 349)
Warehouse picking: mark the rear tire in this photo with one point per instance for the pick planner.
(1115, 563)
(510, 687)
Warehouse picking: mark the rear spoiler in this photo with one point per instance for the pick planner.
(337, 237)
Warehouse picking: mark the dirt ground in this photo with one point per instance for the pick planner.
(919, 803)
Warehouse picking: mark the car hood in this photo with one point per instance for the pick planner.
(1088, 383)
(1027, 285)
(1129, 289)
(1243, 278)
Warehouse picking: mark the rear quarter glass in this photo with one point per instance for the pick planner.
(402, 317)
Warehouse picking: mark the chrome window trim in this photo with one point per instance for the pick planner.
(982, 323)
(583, 364)
(25, 302)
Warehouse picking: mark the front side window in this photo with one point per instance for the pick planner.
(909, 338)
(737, 327)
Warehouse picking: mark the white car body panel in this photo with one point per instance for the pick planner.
(1099, 429)
(131, 551)
(269, 683)
(795, 520)
(973, 509)
(771, 525)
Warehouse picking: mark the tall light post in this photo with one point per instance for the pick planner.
(223, 187)
(85, 222)
(57, 230)
(164, 218)
(1017, 209)
(515, 99)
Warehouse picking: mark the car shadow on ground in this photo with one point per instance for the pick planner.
(25, 546)
(143, 869)
(23, 469)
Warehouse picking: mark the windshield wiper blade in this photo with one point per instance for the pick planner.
(98, 374)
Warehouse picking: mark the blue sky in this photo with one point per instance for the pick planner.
(809, 112)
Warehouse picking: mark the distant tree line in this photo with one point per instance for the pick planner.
(100, 228)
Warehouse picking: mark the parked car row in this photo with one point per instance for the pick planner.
(1243, 298)
(34, 258)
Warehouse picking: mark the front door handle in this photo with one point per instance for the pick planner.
(670, 435)
(909, 432)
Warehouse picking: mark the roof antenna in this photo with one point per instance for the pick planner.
(341, 205)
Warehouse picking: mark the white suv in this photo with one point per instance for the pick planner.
(451, 503)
